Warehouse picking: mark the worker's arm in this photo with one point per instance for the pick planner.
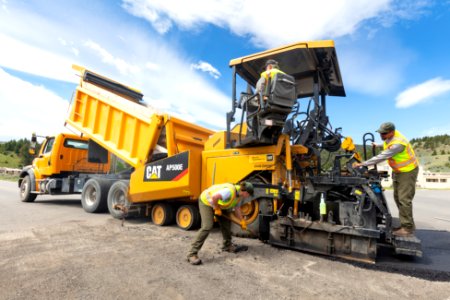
(220, 195)
(386, 154)
(238, 212)
(260, 85)
(215, 200)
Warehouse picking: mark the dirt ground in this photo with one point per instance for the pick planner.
(103, 260)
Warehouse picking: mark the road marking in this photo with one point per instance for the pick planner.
(447, 220)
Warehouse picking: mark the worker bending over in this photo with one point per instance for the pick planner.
(220, 200)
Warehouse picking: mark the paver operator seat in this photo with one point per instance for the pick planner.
(266, 116)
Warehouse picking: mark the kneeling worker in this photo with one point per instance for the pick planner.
(211, 203)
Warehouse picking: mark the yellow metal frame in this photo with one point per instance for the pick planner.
(269, 53)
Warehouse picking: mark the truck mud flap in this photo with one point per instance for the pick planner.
(356, 244)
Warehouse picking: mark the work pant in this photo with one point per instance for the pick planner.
(404, 189)
(207, 216)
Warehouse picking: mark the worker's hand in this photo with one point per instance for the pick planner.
(217, 212)
(357, 165)
(243, 225)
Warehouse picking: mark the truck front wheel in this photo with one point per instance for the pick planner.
(25, 190)
(94, 195)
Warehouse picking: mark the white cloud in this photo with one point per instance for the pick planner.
(28, 108)
(270, 24)
(422, 92)
(5, 6)
(441, 130)
(152, 66)
(17, 55)
(206, 67)
(121, 65)
(130, 55)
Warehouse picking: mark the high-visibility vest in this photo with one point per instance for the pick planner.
(228, 203)
(404, 161)
(268, 77)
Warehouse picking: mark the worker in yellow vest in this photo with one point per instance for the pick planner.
(405, 168)
(220, 201)
(263, 84)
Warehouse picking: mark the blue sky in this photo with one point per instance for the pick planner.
(393, 57)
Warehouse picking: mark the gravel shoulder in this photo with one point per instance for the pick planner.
(107, 261)
(52, 249)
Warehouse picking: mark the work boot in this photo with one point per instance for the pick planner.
(194, 260)
(403, 232)
(235, 248)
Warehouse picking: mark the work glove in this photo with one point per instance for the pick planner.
(218, 212)
(243, 225)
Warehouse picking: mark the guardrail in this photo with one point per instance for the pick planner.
(9, 171)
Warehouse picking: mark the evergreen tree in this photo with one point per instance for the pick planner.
(25, 157)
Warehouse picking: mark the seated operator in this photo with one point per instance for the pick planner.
(271, 68)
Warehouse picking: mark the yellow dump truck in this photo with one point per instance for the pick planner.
(271, 140)
(163, 152)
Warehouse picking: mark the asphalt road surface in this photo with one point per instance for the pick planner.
(52, 249)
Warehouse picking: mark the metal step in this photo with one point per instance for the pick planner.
(411, 245)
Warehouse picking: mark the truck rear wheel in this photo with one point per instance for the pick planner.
(118, 204)
(188, 217)
(25, 190)
(162, 214)
(94, 195)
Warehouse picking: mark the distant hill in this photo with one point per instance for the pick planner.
(433, 152)
(14, 154)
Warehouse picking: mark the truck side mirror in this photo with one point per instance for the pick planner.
(32, 148)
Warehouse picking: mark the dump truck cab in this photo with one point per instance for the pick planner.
(66, 153)
(61, 158)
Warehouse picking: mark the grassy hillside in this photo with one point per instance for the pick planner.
(437, 160)
(10, 160)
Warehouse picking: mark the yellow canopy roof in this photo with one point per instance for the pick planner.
(302, 60)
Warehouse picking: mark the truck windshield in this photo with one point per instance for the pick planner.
(77, 144)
